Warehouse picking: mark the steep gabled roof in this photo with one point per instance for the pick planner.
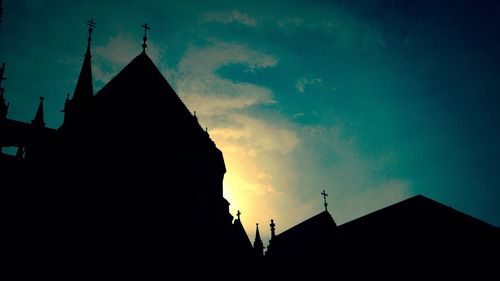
(304, 239)
(139, 108)
(322, 222)
(417, 210)
(139, 94)
(240, 235)
(418, 238)
(140, 80)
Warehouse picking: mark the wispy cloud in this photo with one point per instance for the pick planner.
(230, 17)
(201, 87)
(346, 32)
(294, 23)
(276, 168)
(357, 181)
(307, 81)
(298, 115)
(256, 148)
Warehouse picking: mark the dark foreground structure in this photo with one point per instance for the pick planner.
(415, 239)
(105, 197)
(128, 187)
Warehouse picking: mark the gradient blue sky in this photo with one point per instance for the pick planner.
(373, 101)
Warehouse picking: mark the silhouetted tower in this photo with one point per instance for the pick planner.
(258, 246)
(84, 92)
(4, 107)
(39, 121)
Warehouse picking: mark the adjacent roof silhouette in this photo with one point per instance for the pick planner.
(417, 238)
(317, 231)
(422, 237)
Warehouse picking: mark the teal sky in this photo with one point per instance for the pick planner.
(373, 101)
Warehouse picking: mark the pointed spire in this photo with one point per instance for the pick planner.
(258, 246)
(145, 37)
(84, 88)
(38, 121)
(257, 233)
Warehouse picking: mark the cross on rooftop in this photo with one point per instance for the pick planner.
(145, 37)
(324, 198)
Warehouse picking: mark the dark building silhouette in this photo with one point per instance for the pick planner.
(415, 239)
(129, 187)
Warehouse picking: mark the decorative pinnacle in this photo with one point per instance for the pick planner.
(273, 229)
(145, 37)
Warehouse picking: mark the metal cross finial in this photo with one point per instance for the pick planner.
(238, 214)
(91, 25)
(324, 197)
(145, 38)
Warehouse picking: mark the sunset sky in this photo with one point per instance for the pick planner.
(372, 101)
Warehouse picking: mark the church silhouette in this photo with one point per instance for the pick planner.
(129, 187)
